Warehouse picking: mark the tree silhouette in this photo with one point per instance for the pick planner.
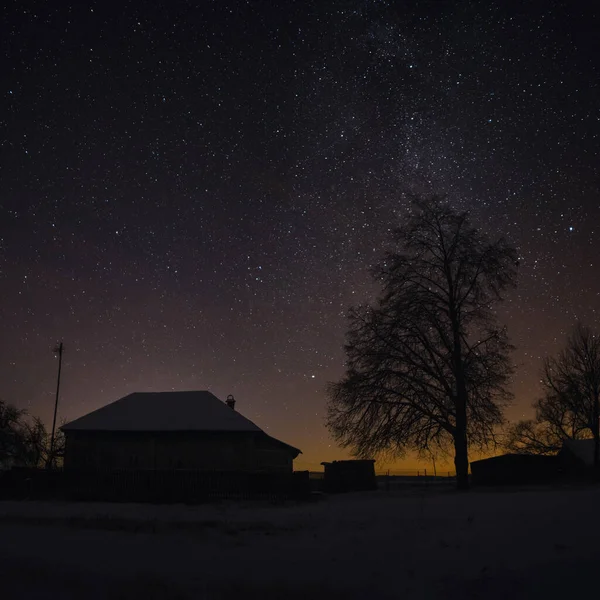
(39, 450)
(427, 364)
(533, 436)
(569, 406)
(24, 441)
(11, 440)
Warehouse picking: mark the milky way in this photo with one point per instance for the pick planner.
(191, 195)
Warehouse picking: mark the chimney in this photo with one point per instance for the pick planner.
(230, 402)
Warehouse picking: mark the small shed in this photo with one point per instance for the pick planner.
(511, 469)
(349, 475)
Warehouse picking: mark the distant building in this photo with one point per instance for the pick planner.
(577, 455)
(349, 475)
(173, 430)
(511, 469)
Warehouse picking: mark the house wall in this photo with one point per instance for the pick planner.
(177, 450)
(515, 469)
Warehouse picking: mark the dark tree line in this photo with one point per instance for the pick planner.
(427, 363)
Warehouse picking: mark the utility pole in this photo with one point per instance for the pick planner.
(57, 350)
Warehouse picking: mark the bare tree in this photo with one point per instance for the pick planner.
(11, 440)
(25, 441)
(534, 437)
(39, 451)
(427, 365)
(569, 406)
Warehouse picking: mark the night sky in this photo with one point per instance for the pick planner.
(191, 194)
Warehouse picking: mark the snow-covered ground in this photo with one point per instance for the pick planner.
(413, 544)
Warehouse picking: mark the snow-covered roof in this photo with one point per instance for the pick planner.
(582, 449)
(164, 411)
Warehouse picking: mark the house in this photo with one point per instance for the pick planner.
(511, 469)
(173, 431)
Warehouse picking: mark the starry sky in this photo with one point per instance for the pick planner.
(192, 192)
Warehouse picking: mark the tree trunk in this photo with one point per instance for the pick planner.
(596, 433)
(461, 457)
(461, 454)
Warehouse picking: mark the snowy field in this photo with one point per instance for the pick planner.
(413, 544)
